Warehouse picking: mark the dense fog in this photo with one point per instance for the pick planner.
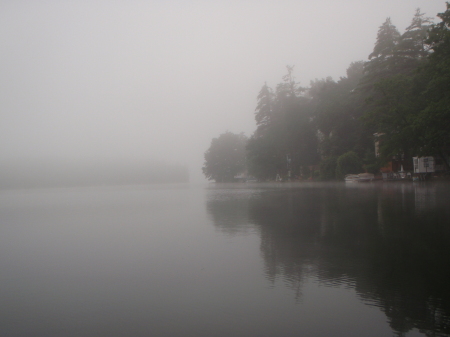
(134, 92)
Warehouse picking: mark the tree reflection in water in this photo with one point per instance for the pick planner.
(390, 242)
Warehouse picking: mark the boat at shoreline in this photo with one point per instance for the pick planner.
(359, 178)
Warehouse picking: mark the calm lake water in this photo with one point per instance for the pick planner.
(226, 260)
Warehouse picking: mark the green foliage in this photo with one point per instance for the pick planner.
(264, 108)
(264, 157)
(410, 103)
(348, 163)
(393, 114)
(328, 169)
(225, 158)
(384, 58)
(397, 54)
(387, 40)
(370, 162)
(432, 123)
(402, 93)
(412, 44)
(285, 139)
(336, 110)
(412, 109)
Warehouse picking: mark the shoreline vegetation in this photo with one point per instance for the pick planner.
(387, 110)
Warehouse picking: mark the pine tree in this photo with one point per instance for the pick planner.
(433, 121)
(387, 40)
(413, 41)
(264, 108)
(384, 57)
(412, 47)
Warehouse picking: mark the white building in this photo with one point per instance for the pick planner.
(424, 164)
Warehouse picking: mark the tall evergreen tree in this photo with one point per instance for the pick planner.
(412, 43)
(433, 83)
(264, 112)
(387, 40)
(392, 116)
(289, 87)
(384, 58)
(336, 108)
(285, 139)
(389, 82)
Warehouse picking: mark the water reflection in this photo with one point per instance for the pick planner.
(390, 242)
(229, 210)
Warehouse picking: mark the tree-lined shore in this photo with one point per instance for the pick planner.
(399, 98)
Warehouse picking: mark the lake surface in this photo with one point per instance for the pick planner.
(226, 260)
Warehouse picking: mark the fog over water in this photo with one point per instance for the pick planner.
(245, 260)
(99, 82)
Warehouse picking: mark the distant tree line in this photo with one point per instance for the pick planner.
(399, 97)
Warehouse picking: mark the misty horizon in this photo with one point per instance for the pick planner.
(115, 113)
(38, 173)
(156, 81)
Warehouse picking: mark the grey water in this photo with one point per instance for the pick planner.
(304, 259)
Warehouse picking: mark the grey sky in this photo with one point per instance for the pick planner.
(94, 80)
